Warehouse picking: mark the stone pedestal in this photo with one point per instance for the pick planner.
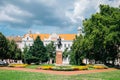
(58, 57)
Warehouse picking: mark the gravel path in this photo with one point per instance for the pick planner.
(59, 72)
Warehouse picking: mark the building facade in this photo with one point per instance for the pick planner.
(66, 39)
(28, 40)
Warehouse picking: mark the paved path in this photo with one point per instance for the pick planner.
(59, 72)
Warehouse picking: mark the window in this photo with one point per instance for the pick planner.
(27, 38)
(68, 45)
(65, 45)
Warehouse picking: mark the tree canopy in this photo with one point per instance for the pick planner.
(3, 46)
(101, 41)
(51, 50)
(9, 49)
(37, 52)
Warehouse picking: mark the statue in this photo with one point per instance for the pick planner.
(59, 44)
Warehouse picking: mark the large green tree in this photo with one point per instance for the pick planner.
(37, 52)
(51, 50)
(101, 41)
(3, 46)
(13, 51)
(24, 53)
(103, 33)
(9, 49)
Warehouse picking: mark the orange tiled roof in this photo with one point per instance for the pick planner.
(67, 36)
(16, 38)
(46, 36)
(42, 36)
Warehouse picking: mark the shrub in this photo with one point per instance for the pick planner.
(32, 60)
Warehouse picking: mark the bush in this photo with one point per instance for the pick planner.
(32, 60)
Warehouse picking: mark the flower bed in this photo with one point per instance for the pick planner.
(18, 65)
(62, 68)
(99, 67)
(72, 68)
(80, 67)
(45, 67)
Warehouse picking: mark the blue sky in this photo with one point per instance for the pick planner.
(17, 17)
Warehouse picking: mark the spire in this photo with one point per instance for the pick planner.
(79, 30)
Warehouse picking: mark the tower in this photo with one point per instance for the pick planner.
(79, 30)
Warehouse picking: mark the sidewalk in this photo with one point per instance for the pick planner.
(59, 72)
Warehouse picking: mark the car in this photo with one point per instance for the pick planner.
(3, 63)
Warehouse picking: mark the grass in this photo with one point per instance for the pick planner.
(32, 66)
(20, 75)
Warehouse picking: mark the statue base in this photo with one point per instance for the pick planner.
(59, 57)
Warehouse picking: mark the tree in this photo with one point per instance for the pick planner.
(13, 52)
(102, 37)
(18, 55)
(9, 49)
(77, 55)
(65, 53)
(112, 38)
(51, 50)
(24, 53)
(102, 31)
(3, 47)
(12, 49)
(37, 52)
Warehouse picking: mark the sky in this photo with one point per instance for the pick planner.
(18, 17)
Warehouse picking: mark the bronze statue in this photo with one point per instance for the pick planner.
(59, 44)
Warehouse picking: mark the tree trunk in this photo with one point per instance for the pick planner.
(113, 62)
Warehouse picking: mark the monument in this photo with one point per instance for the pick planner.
(59, 52)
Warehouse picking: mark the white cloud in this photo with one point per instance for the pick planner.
(49, 15)
(84, 8)
(10, 12)
(4, 17)
(80, 6)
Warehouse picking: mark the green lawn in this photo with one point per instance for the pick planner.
(20, 75)
(32, 66)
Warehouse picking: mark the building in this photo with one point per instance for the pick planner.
(28, 40)
(17, 39)
(66, 39)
